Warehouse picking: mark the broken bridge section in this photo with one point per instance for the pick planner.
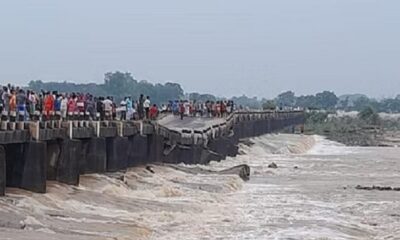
(33, 152)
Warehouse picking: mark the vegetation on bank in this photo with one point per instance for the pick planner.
(366, 128)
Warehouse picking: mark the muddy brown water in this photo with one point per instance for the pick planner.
(311, 195)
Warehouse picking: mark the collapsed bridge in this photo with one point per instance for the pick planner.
(33, 152)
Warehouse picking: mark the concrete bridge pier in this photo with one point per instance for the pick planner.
(63, 160)
(138, 150)
(2, 171)
(53, 155)
(117, 153)
(238, 130)
(225, 146)
(95, 155)
(155, 148)
(26, 166)
(68, 162)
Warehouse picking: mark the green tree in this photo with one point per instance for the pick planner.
(361, 103)
(369, 115)
(326, 100)
(286, 99)
(269, 105)
(308, 101)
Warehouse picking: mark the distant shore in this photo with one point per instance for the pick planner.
(353, 131)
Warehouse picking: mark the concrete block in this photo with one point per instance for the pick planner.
(138, 150)
(2, 171)
(53, 155)
(117, 153)
(11, 126)
(155, 144)
(68, 162)
(26, 166)
(147, 129)
(34, 174)
(4, 125)
(96, 156)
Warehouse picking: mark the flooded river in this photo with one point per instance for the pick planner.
(311, 195)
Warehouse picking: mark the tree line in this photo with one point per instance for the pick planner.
(122, 84)
(328, 100)
(117, 85)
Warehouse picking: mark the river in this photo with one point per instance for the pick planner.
(311, 195)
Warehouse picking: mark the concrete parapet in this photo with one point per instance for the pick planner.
(108, 132)
(83, 132)
(146, 129)
(16, 136)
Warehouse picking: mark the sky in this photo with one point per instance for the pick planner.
(232, 47)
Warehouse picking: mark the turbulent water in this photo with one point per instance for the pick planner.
(311, 195)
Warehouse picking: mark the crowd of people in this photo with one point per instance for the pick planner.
(201, 109)
(18, 104)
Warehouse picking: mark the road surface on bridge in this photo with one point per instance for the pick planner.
(175, 123)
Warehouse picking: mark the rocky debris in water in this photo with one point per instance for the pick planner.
(272, 165)
(373, 224)
(150, 169)
(379, 188)
(241, 152)
(247, 142)
(242, 170)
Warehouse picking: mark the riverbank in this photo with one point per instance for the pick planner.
(352, 131)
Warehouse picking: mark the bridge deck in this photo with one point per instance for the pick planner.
(175, 123)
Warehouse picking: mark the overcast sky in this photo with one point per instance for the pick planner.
(233, 47)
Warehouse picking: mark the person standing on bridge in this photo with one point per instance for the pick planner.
(21, 101)
(122, 109)
(71, 105)
(153, 112)
(140, 106)
(5, 96)
(32, 99)
(90, 107)
(129, 108)
(64, 106)
(48, 105)
(181, 109)
(108, 108)
(13, 105)
(57, 106)
(146, 106)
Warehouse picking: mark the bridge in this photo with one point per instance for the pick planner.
(33, 152)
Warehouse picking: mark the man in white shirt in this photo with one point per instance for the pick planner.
(146, 106)
(108, 108)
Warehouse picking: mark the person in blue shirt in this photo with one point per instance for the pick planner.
(57, 104)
